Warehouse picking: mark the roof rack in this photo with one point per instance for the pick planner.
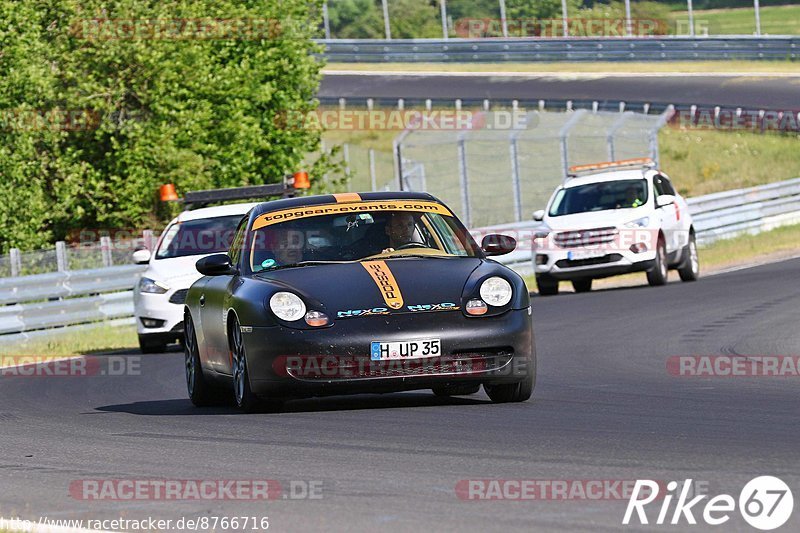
(642, 162)
(195, 199)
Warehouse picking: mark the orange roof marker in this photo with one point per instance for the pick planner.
(347, 197)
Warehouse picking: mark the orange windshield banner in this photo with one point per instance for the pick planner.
(295, 213)
(386, 283)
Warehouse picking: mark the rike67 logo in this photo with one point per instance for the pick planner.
(765, 503)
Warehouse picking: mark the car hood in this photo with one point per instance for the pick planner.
(597, 219)
(343, 287)
(177, 272)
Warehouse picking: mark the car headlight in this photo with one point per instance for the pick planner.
(152, 286)
(496, 291)
(287, 306)
(638, 223)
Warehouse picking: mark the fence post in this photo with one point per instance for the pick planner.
(147, 239)
(325, 20)
(16, 262)
(443, 7)
(386, 27)
(691, 17)
(757, 7)
(346, 155)
(462, 172)
(61, 256)
(372, 177)
(105, 249)
(503, 20)
(562, 135)
(515, 179)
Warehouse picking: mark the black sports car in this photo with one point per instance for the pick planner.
(350, 293)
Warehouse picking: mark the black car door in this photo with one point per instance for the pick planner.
(214, 309)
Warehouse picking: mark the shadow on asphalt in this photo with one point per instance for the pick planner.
(183, 407)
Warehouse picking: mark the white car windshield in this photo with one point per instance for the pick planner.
(602, 196)
(198, 237)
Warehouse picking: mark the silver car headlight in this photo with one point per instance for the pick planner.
(638, 223)
(152, 286)
(496, 291)
(287, 306)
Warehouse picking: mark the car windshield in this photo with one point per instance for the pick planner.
(599, 197)
(378, 234)
(196, 237)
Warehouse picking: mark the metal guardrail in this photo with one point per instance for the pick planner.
(571, 49)
(715, 216)
(46, 303)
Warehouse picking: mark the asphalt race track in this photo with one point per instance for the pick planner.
(605, 408)
(754, 92)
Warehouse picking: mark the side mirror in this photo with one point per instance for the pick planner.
(496, 244)
(215, 265)
(665, 199)
(141, 257)
(538, 216)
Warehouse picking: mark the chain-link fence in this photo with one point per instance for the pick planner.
(76, 256)
(493, 175)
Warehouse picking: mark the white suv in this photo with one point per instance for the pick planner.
(158, 297)
(614, 218)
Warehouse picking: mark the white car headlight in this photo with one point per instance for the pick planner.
(496, 291)
(287, 306)
(152, 286)
(638, 223)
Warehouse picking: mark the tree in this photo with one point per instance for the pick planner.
(106, 100)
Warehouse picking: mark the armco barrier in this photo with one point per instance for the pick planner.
(715, 216)
(37, 305)
(572, 49)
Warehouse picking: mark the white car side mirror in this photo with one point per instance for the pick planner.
(665, 199)
(141, 257)
(538, 215)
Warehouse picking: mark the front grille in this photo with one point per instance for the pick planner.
(328, 368)
(586, 237)
(568, 263)
(178, 297)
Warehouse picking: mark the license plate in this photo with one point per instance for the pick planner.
(585, 254)
(416, 349)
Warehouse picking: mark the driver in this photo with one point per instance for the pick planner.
(632, 197)
(400, 228)
(286, 249)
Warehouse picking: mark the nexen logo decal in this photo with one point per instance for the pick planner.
(362, 312)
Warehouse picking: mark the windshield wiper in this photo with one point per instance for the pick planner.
(297, 265)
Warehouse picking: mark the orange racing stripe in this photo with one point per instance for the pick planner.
(386, 283)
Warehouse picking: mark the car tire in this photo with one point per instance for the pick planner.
(456, 390)
(514, 392)
(546, 286)
(151, 346)
(201, 392)
(243, 396)
(690, 267)
(658, 274)
(582, 285)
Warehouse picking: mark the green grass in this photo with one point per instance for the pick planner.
(704, 161)
(637, 67)
(100, 339)
(775, 20)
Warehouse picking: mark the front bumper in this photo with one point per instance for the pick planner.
(559, 264)
(287, 362)
(165, 308)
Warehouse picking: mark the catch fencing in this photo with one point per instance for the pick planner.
(494, 175)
